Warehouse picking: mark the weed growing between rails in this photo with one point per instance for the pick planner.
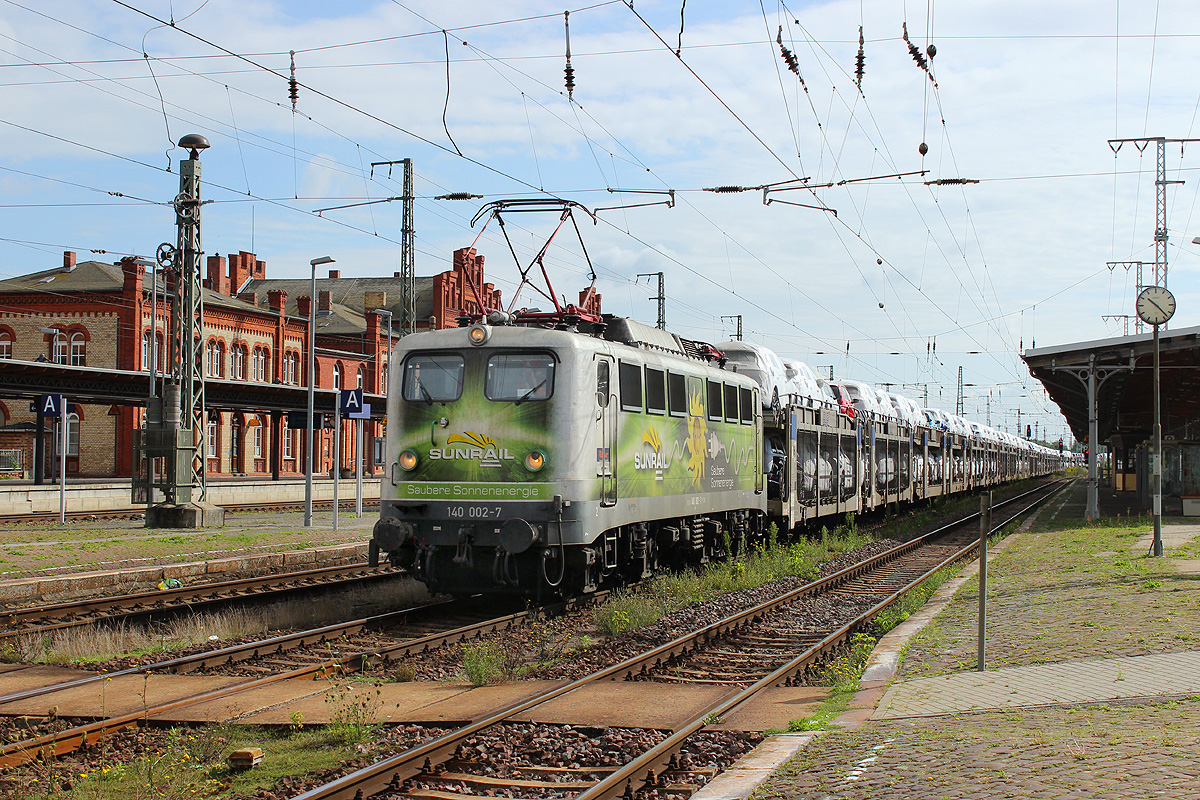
(355, 709)
(188, 763)
(636, 608)
(98, 643)
(170, 765)
(841, 672)
(484, 662)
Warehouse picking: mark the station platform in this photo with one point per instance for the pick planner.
(105, 495)
(1109, 708)
(44, 562)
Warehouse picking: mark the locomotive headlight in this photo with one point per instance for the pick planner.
(408, 460)
(479, 334)
(535, 460)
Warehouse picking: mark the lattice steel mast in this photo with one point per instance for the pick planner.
(1160, 186)
(175, 421)
(189, 370)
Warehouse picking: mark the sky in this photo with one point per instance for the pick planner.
(859, 256)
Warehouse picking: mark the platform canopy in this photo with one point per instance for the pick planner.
(1124, 368)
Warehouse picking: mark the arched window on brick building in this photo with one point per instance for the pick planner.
(213, 436)
(78, 349)
(258, 364)
(160, 351)
(73, 435)
(291, 368)
(214, 358)
(58, 346)
(337, 376)
(238, 372)
(6, 343)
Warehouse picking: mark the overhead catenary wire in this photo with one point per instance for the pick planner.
(613, 151)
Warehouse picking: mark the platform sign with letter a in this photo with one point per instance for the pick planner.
(352, 404)
(51, 405)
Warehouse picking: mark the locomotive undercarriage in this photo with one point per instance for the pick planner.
(480, 561)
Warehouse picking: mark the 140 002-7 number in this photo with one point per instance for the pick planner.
(475, 512)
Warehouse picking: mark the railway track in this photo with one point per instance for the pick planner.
(230, 508)
(458, 620)
(452, 760)
(144, 607)
(451, 767)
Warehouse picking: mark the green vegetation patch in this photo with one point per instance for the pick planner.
(1065, 590)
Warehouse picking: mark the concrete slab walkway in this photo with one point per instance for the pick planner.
(1045, 684)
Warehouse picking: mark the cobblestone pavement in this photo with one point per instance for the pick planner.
(1064, 593)
(1124, 751)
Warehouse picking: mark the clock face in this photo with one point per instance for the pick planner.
(1155, 305)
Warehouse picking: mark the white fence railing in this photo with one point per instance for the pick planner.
(12, 460)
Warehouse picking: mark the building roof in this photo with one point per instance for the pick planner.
(1124, 368)
(87, 276)
(348, 292)
(96, 276)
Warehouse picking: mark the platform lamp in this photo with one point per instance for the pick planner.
(383, 312)
(312, 361)
(56, 332)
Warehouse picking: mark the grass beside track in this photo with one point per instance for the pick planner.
(1066, 590)
(1056, 591)
(190, 763)
(49, 549)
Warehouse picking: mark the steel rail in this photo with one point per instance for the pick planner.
(241, 652)
(619, 783)
(138, 513)
(17, 753)
(64, 742)
(159, 601)
(389, 774)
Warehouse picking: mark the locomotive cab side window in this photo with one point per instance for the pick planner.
(433, 378)
(603, 386)
(519, 377)
(747, 406)
(714, 401)
(656, 394)
(631, 386)
(731, 403)
(676, 394)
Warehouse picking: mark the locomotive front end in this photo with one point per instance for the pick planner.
(476, 421)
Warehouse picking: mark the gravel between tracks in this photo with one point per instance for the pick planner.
(555, 648)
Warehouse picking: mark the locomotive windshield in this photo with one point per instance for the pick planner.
(517, 377)
(433, 378)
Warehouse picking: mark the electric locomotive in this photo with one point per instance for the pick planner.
(561, 457)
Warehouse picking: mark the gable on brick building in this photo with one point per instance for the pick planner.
(255, 329)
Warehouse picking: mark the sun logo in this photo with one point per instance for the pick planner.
(471, 437)
(481, 447)
(697, 437)
(655, 459)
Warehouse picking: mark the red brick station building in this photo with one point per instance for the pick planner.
(98, 314)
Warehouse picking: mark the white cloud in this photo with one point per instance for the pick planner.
(1027, 90)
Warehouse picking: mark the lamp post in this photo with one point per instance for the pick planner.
(56, 332)
(383, 312)
(312, 343)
